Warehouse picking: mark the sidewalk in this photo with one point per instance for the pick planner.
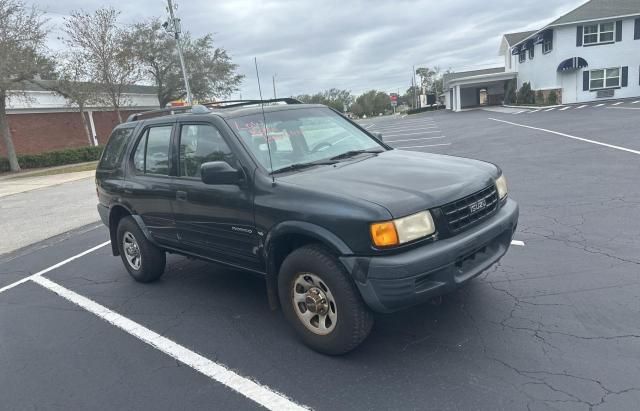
(20, 183)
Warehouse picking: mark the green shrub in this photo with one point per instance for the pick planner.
(552, 99)
(539, 97)
(423, 109)
(526, 95)
(510, 88)
(55, 158)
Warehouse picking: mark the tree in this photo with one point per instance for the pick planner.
(101, 43)
(211, 72)
(526, 95)
(334, 98)
(372, 103)
(75, 85)
(22, 57)
(427, 77)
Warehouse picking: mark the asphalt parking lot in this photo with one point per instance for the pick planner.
(554, 326)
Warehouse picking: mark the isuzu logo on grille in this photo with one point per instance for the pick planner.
(477, 206)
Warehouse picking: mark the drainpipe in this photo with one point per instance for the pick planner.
(93, 129)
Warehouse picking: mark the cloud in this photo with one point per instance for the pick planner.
(312, 45)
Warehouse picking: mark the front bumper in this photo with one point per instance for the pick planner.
(393, 282)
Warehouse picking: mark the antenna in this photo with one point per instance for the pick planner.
(264, 120)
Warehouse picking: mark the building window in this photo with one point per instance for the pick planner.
(604, 78)
(547, 46)
(532, 52)
(522, 56)
(599, 33)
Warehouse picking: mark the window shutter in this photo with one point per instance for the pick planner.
(636, 33)
(625, 76)
(619, 30)
(585, 80)
(579, 37)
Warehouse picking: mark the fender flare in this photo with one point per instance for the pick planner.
(317, 232)
(113, 228)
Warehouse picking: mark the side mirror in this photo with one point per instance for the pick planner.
(220, 172)
(377, 135)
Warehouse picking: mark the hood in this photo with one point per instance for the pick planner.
(404, 182)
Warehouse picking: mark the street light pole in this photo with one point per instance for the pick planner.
(273, 78)
(175, 27)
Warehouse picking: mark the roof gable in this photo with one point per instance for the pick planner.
(513, 38)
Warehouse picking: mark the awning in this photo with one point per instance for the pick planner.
(574, 63)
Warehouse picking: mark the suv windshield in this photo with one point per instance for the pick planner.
(301, 137)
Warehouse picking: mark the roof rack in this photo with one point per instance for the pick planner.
(239, 103)
(195, 109)
(204, 107)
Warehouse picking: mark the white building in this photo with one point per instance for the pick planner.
(590, 53)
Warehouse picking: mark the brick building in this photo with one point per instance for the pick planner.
(41, 120)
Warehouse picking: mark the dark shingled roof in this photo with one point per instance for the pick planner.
(600, 9)
(513, 38)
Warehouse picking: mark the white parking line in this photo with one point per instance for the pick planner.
(636, 102)
(518, 243)
(53, 267)
(405, 124)
(533, 111)
(582, 106)
(413, 128)
(618, 103)
(430, 145)
(628, 150)
(368, 126)
(413, 139)
(260, 394)
(624, 108)
(520, 112)
(550, 109)
(599, 105)
(565, 108)
(410, 134)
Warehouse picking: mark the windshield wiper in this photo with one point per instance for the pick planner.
(300, 166)
(352, 153)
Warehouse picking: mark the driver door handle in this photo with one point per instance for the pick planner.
(181, 195)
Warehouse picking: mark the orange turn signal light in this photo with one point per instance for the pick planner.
(384, 234)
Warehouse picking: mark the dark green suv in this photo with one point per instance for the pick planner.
(339, 223)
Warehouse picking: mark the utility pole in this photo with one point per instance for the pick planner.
(273, 79)
(413, 84)
(173, 26)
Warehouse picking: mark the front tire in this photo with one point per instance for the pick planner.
(144, 261)
(321, 302)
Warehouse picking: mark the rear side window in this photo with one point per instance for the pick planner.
(114, 151)
(152, 153)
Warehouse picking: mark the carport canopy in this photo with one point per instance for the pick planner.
(463, 91)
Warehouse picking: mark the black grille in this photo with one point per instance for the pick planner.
(465, 212)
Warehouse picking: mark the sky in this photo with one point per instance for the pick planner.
(358, 45)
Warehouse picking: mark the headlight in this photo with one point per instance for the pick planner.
(501, 186)
(402, 230)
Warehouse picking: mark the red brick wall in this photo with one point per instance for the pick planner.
(38, 132)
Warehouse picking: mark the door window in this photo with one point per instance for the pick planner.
(199, 144)
(152, 153)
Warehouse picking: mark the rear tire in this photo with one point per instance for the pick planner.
(144, 261)
(321, 302)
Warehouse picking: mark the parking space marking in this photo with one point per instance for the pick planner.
(53, 267)
(582, 106)
(624, 108)
(565, 108)
(414, 128)
(430, 145)
(599, 105)
(550, 109)
(520, 112)
(517, 242)
(618, 103)
(260, 394)
(533, 111)
(636, 102)
(413, 139)
(586, 140)
(411, 134)
(368, 126)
